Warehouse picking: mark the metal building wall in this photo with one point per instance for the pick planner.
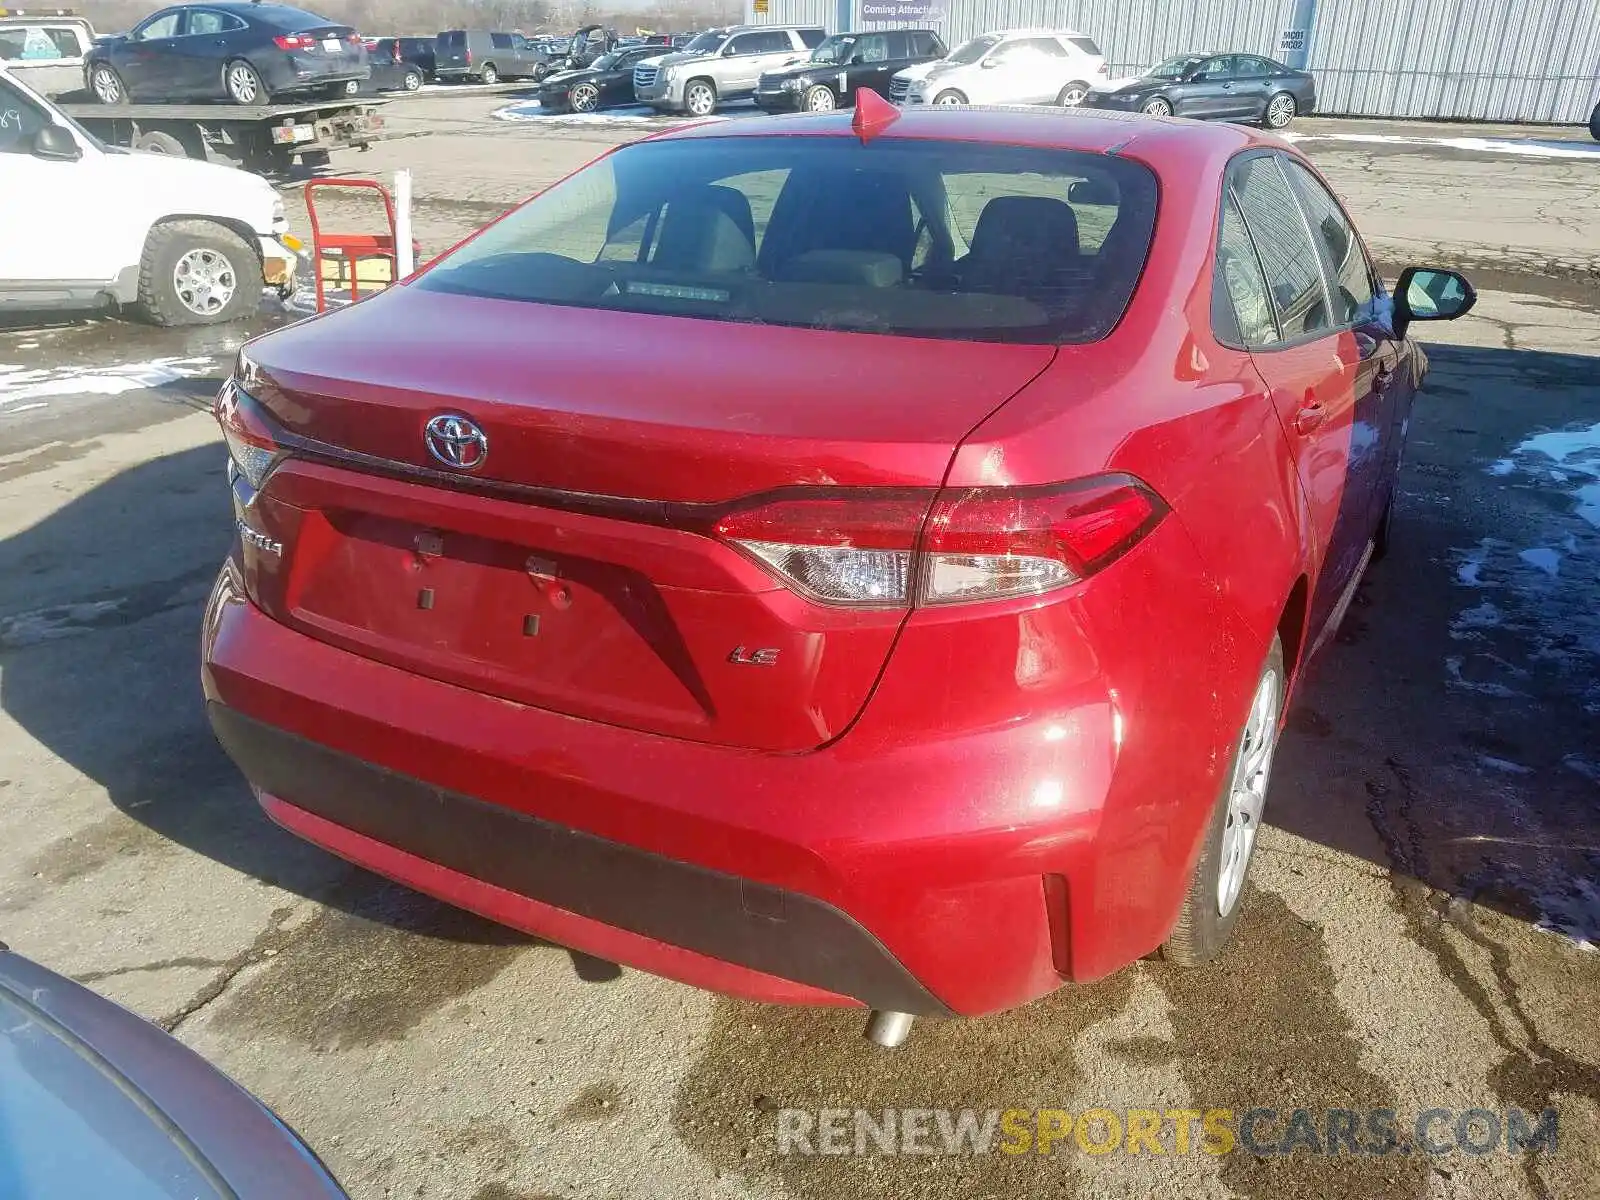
(1499, 60)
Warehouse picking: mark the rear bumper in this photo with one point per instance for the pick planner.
(525, 871)
(967, 873)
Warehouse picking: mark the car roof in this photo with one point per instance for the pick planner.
(267, 12)
(1032, 31)
(1164, 142)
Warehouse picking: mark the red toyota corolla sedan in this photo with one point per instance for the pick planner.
(820, 564)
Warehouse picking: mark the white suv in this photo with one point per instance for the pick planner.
(189, 243)
(1017, 66)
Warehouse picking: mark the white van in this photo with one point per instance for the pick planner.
(89, 225)
(45, 48)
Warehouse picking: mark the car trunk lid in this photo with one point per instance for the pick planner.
(575, 568)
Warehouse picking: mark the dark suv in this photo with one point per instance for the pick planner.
(842, 65)
(487, 57)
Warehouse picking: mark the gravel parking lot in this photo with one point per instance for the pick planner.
(1426, 906)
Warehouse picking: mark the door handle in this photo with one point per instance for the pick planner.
(1311, 415)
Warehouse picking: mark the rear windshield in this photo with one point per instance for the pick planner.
(455, 37)
(918, 237)
(1087, 45)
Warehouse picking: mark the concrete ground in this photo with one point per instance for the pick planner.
(1422, 925)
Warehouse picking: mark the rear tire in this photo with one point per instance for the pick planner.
(1281, 109)
(197, 273)
(243, 85)
(412, 81)
(1205, 922)
(949, 98)
(106, 85)
(489, 74)
(1594, 123)
(1072, 95)
(156, 142)
(540, 71)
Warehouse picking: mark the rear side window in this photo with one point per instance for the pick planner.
(1023, 49)
(1292, 265)
(1349, 273)
(958, 240)
(1241, 306)
(897, 45)
(1087, 45)
(811, 38)
(927, 45)
(500, 41)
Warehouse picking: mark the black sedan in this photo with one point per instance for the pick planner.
(391, 70)
(1214, 87)
(246, 53)
(609, 81)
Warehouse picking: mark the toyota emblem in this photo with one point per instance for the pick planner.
(456, 442)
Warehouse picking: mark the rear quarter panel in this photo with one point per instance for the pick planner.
(1162, 399)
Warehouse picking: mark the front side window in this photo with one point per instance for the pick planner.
(1175, 68)
(1290, 261)
(1214, 69)
(162, 25)
(1349, 272)
(705, 43)
(20, 120)
(500, 41)
(873, 49)
(957, 240)
(970, 52)
(835, 50)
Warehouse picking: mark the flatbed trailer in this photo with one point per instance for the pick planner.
(264, 138)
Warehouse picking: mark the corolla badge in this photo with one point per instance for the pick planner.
(456, 442)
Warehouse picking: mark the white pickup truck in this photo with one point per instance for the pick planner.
(84, 225)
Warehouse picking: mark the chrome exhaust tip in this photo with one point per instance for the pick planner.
(888, 1029)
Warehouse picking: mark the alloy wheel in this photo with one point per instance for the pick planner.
(949, 99)
(585, 98)
(204, 280)
(820, 99)
(1072, 96)
(1281, 111)
(107, 86)
(700, 100)
(1247, 790)
(243, 86)
(1158, 108)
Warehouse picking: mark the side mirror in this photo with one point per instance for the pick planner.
(54, 142)
(1431, 294)
(990, 64)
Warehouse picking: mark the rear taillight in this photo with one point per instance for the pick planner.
(1102, 69)
(293, 41)
(468, 56)
(838, 548)
(252, 453)
(989, 543)
(897, 548)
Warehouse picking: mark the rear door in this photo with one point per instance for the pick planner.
(747, 55)
(1321, 382)
(450, 51)
(1033, 70)
(207, 39)
(1252, 85)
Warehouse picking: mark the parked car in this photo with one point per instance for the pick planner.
(186, 242)
(587, 45)
(249, 53)
(391, 71)
(843, 64)
(733, 663)
(1594, 123)
(45, 48)
(486, 56)
(1022, 66)
(1215, 87)
(418, 51)
(721, 65)
(96, 1101)
(608, 82)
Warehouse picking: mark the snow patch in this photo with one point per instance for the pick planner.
(18, 386)
(1504, 765)
(1565, 455)
(1470, 621)
(1524, 147)
(531, 110)
(1586, 767)
(1543, 559)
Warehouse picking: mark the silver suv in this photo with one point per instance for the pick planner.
(720, 64)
